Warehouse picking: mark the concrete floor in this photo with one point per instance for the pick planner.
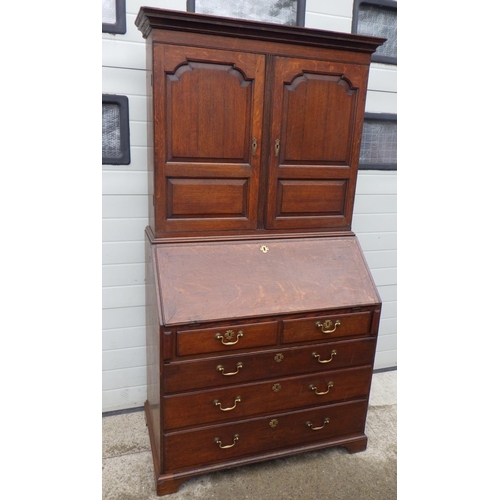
(127, 471)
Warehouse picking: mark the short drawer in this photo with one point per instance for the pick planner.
(248, 367)
(328, 327)
(227, 338)
(247, 400)
(217, 444)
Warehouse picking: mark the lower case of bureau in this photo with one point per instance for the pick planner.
(208, 449)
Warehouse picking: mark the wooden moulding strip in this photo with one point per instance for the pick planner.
(150, 18)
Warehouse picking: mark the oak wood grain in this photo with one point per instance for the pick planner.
(219, 281)
(203, 373)
(341, 326)
(208, 112)
(226, 339)
(272, 395)
(255, 131)
(257, 435)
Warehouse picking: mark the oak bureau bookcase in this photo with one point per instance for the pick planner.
(262, 315)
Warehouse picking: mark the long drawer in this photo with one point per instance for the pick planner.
(225, 442)
(235, 369)
(243, 401)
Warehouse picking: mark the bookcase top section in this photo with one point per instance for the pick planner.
(150, 18)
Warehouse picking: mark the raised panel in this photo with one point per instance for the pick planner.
(315, 126)
(317, 119)
(315, 197)
(210, 115)
(207, 197)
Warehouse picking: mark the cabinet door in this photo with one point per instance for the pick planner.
(316, 130)
(208, 126)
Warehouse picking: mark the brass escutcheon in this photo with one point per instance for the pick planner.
(264, 249)
(279, 358)
(254, 146)
(273, 423)
(277, 387)
(276, 147)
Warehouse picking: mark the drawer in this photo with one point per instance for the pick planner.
(248, 367)
(227, 338)
(328, 327)
(247, 400)
(216, 444)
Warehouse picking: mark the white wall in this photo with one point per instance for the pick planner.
(124, 209)
(375, 206)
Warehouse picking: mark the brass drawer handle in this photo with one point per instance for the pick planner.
(327, 324)
(237, 400)
(310, 424)
(219, 442)
(220, 368)
(228, 336)
(317, 356)
(313, 388)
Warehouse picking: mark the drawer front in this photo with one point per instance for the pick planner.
(247, 400)
(216, 444)
(227, 338)
(249, 367)
(327, 327)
